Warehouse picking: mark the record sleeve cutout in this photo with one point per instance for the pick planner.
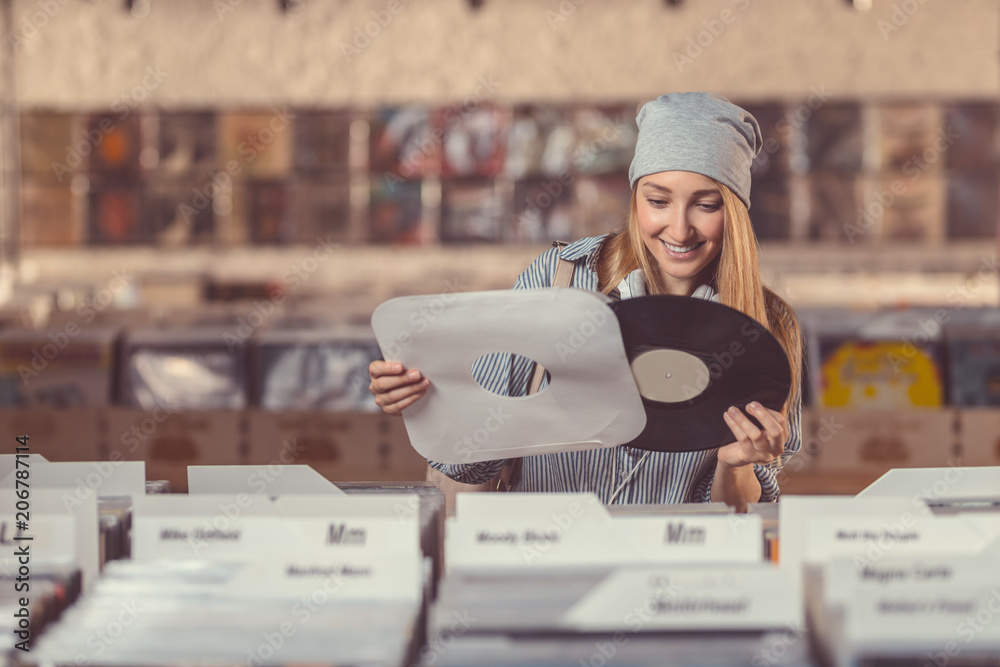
(590, 403)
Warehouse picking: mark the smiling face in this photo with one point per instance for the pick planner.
(681, 222)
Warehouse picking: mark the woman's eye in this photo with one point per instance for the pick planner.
(656, 202)
(711, 207)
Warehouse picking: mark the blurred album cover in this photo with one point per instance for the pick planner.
(266, 205)
(318, 372)
(197, 369)
(543, 211)
(114, 145)
(471, 211)
(49, 215)
(834, 137)
(974, 367)
(916, 210)
(177, 214)
(473, 141)
(971, 135)
(770, 209)
(47, 146)
(605, 138)
(322, 141)
(81, 374)
(835, 213)
(882, 374)
(187, 142)
(972, 205)
(910, 137)
(258, 144)
(113, 215)
(321, 208)
(396, 212)
(600, 204)
(540, 142)
(404, 143)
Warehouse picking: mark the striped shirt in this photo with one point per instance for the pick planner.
(636, 475)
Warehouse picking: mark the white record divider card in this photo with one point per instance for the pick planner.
(209, 527)
(817, 529)
(514, 530)
(62, 530)
(358, 547)
(936, 608)
(274, 480)
(753, 597)
(952, 485)
(104, 478)
(459, 421)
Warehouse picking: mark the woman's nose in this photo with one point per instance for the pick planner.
(678, 223)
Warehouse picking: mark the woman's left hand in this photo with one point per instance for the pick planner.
(753, 444)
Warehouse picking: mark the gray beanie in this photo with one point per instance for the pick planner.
(700, 132)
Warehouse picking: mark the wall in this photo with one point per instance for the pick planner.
(76, 54)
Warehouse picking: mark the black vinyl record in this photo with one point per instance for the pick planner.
(692, 359)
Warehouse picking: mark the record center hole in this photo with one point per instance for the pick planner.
(492, 367)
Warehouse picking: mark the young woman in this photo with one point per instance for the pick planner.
(688, 233)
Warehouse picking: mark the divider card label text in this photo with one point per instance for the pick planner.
(751, 597)
(607, 541)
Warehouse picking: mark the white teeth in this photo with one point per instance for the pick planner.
(677, 248)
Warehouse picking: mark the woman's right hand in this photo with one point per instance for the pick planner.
(394, 387)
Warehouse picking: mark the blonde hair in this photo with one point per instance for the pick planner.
(736, 275)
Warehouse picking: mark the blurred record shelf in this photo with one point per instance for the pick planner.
(854, 173)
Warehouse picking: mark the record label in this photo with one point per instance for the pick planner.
(669, 376)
